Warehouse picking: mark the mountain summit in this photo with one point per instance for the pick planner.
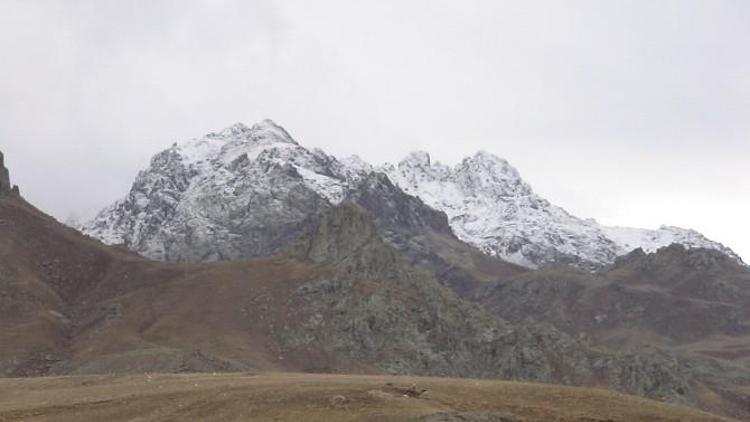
(491, 207)
(245, 191)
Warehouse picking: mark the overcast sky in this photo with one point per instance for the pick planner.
(632, 112)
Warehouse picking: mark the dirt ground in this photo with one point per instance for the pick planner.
(316, 397)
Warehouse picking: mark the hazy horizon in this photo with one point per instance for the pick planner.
(632, 113)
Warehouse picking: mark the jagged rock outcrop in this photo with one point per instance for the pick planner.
(424, 237)
(6, 188)
(345, 236)
(375, 307)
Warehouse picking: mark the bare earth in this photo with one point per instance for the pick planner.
(316, 397)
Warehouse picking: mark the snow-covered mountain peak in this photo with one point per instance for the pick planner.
(268, 129)
(490, 163)
(236, 130)
(488, 173)
(489, 158)
(481, 172)
(265, 130)
(220, 197)
(356, 164)
(223, 196)
(419, 159)
(489, 205)
(234, 141)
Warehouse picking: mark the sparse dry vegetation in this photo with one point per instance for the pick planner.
(316, 397)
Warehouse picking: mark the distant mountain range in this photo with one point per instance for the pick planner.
(245, 191)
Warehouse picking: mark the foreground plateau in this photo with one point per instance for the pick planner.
(316, 397)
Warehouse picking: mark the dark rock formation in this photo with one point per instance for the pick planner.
(6, 188)
(373, 306)
(4, 176)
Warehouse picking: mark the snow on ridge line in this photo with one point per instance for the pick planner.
(490, 206)
(487, 202)
(201, 187)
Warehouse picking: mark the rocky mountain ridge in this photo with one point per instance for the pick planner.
(245, 191)
(490, 206)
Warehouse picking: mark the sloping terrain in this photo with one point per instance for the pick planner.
(693, 303)
(314, 397)
(340, 300)
(673, 297)
(351, 293)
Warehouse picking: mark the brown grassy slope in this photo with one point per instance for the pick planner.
(68, 303)
(314, 397)
(43, 267)
(71, 305)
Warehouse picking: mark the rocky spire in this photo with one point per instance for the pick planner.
(5, 187)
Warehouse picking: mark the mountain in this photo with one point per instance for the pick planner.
(490, 206)
(355, 291)
(338, 299)
(692, 303)
(244, 192)
(236, 194)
